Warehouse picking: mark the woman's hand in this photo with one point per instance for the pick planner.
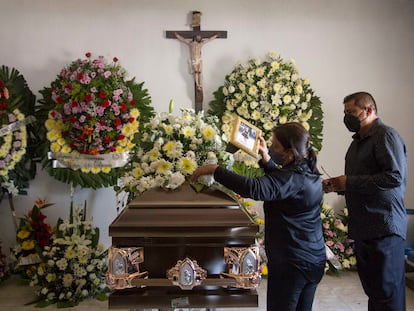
(207, 169)
(263, 150)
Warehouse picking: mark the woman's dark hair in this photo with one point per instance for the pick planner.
(294, 136)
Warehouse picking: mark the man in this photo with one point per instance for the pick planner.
(374, 186)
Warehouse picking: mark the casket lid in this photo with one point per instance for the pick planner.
(183, 196)
(182, 212)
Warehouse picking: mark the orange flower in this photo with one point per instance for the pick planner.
(40, 203)
(87, 130)
(93, 151)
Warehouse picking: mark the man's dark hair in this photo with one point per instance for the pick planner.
(362, 100)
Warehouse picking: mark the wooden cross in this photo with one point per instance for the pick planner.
(195, 39)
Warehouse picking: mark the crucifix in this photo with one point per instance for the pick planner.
(195, 39)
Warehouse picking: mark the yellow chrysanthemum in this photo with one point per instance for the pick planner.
(55, 147)
(163, 167)
(154, 154)
(50, 277)
(208, 133)
(187, 166)
(50, 124)
(106, 169)
(134, 113)
(169, 146)
(263, 269)
(95, 170)
(28, 245)
(137, 172)
(23, 234)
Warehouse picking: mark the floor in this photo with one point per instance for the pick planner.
(335, 293)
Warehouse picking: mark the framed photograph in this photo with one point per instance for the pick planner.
(245, 136)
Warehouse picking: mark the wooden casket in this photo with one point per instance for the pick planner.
(183, 249)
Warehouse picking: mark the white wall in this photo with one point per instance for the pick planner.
(342, 46)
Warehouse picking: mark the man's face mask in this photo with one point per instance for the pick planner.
(352, 123)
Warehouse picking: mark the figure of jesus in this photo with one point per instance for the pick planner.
(195, 45)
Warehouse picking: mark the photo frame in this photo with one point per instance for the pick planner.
(245, 136)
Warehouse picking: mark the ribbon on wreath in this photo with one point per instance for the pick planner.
(16, 125)
(78, 161)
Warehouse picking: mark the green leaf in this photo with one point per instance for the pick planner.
(197, 186)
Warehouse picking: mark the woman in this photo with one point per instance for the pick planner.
(292, 195)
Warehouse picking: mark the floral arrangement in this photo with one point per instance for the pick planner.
(4, 270)
(267, 93)
(17, 137)
(172, 148)
(32, 236)
(74, 264)
(91, 115)
(335, 231)
(247, 206)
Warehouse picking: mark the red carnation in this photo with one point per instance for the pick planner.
(73, 120)
(106, 140)
(80, 76)
(133, 102)
(59, 99)
(105, 103)
(131, 119)
(74, 104)
(123, 107)
(121, 137)
(102, 94)
(87, 97)
(118, 122)
(88, 54)
(115, 59)
(102, 122)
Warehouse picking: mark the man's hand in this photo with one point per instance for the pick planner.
(334, 184)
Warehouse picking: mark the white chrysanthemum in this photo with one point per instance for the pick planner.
(287, 99)
(188, 131)
(67, 280)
